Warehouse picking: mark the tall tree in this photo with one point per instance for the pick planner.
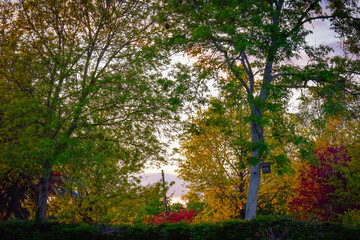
(82, 81)
(215, 163)
(266, 37)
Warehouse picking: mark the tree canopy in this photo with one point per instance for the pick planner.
(266, 38)
(86, 90)
(81, 86)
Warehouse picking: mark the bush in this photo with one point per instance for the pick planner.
(260, 228)
(351, 217)
(174, 217)
(19, 230)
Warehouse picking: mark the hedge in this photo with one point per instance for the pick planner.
(260, 228)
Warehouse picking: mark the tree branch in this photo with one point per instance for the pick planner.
(301, 20)
(227, 59)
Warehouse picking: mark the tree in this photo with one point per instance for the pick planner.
(322, 189)
(215, 159)
(265, 37)
(94, 191)
(344, 133)
(334, 193)
(82, 83)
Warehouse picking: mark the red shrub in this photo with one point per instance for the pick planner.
(181, 216)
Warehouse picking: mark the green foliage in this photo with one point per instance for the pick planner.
(261, 228)
(12, 230)
(264, 38)
(351, 217)
(85, 95)
(216, 151)
(83, 90)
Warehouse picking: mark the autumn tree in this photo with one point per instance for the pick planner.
(329, 188)
(266, 37)
(81, 85)
(214, 150)
(320, 193)
(215, 159)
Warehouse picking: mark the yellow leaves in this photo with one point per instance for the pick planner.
(215, 214)
(275, 192)
(351, 217)
(215, 163)
(217, 207)
(338, 131)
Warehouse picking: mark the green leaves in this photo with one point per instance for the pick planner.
(86, 91)
(202, 32)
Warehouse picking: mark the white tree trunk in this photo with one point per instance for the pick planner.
(257, 137)
(251, 202)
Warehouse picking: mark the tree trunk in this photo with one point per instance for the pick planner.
(254, 182)
(257, 138)
(43, 193)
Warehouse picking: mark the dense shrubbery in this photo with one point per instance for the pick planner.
(260, 228)
(174, 217)
(21, 230)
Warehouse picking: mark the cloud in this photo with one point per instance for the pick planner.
(322, 34)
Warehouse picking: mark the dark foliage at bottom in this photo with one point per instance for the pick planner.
(260, 228)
